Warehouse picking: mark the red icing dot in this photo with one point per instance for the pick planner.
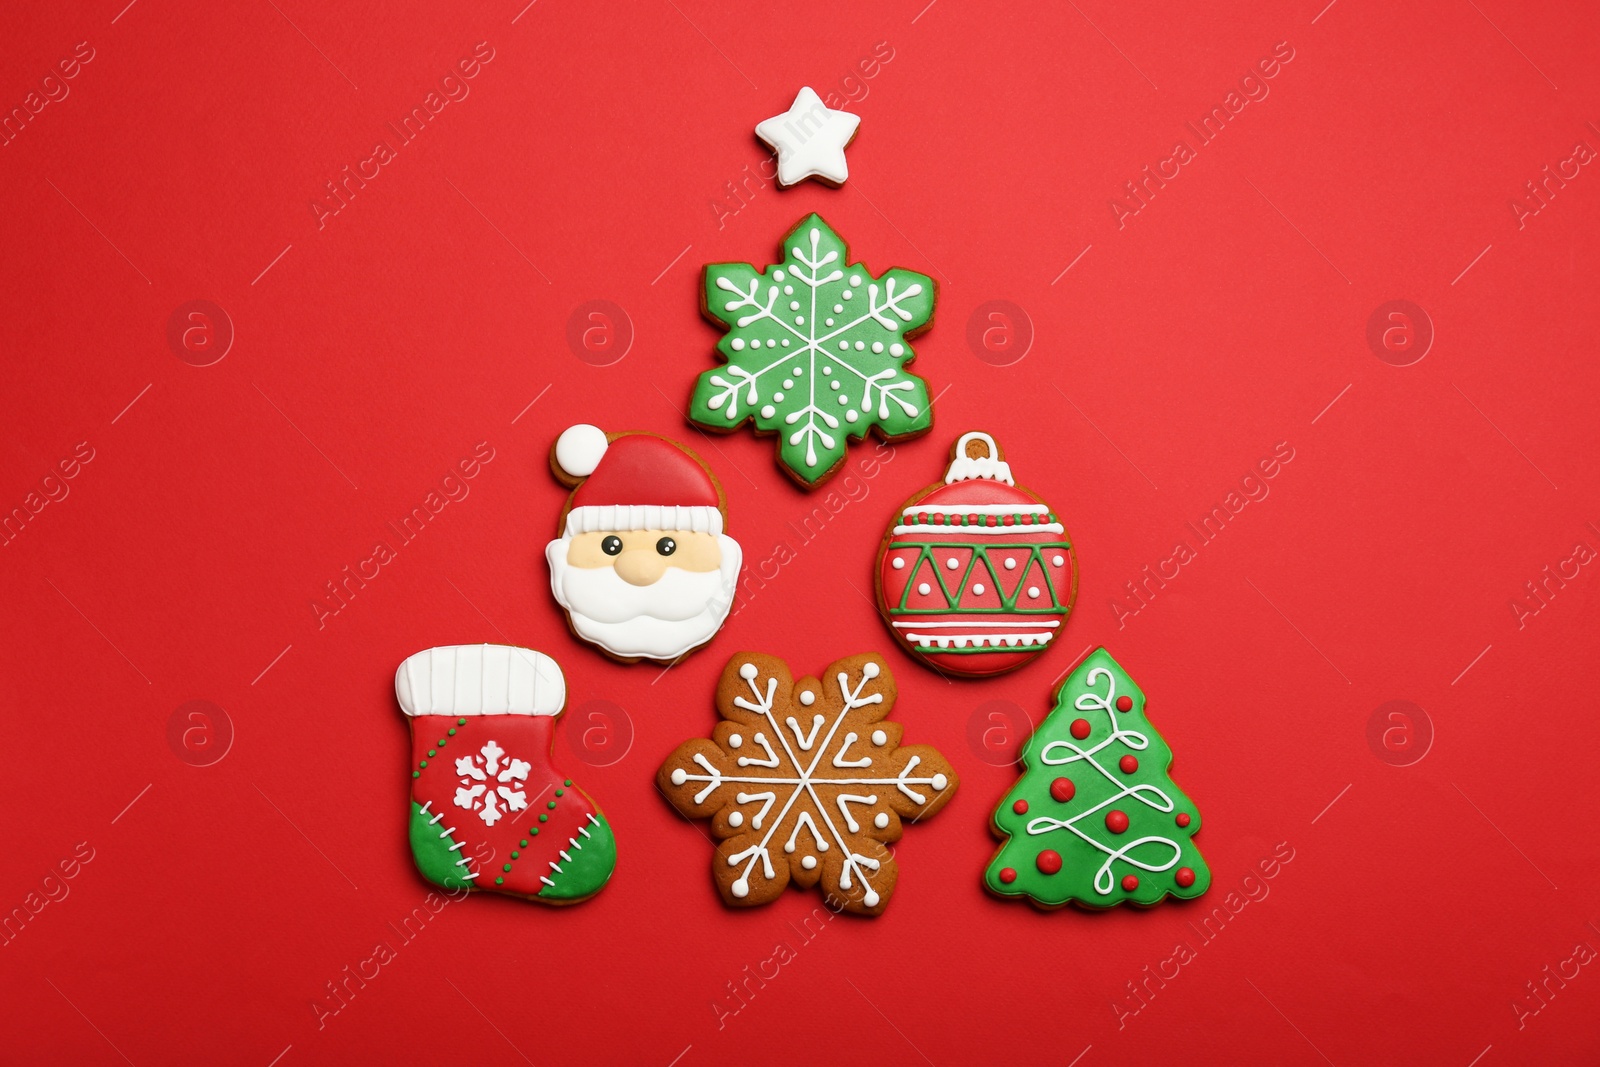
(1116, 821)
(1009, 875)
(1128, 764)
(1184, 877)
(1182, 819)
(1049, 861)
(1124, 703)
(1009, 520)
(1130, 882)
(1080, 728)
(1020, 807)
(1062, 789)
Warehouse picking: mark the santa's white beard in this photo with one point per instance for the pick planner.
(679, 611)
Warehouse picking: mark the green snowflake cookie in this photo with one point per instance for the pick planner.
(816, 351)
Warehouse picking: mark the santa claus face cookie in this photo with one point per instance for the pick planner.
(976, 575)
(642, 566)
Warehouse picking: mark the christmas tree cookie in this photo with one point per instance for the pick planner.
(487, 809)
(806, 782)
(816, 351)
(1095, 819)
(976, 575)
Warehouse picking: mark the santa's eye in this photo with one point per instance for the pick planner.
(612, 545)
(666, 546)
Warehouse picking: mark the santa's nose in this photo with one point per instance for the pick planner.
(641, 566)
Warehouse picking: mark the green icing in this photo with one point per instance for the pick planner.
(432, 852)
(594, 857)
(1094, 859)
(980, 558)
(816, 351)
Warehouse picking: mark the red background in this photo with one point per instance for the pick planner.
(375, 352)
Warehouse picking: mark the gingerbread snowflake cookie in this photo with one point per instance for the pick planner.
(641, 566)
(817, 351)
(487, 809)
(806, 781)
(976, 575)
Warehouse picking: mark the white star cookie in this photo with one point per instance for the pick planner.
(810, 139)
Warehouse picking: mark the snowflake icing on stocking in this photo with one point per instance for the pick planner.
(816, 351)
(806, 785)
(490, 783)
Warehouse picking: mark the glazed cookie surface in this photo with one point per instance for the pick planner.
(806, 782)
(816, 352)
(1096, 819)
(810, 140)
(488, 811)
(642, 565)
(976, 575)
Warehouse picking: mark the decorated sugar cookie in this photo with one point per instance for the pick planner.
(487, 810)
(976, 575)
(1095, 819)
(806, 782)
(817, 352)
(810, 139)
(642, 565)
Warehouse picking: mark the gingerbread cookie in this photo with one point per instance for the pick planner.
(976, 575)
(1095, 819)
(487, 810)
(641, 565)
(806, 782)
(816, 352)
(810, 139)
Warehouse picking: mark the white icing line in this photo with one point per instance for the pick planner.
(964, 640)
(979, 509)
(985, 531)
(1007, 622)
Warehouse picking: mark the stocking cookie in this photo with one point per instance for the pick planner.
(487, 809)
(641, 565)
(816, 352)
(806, 782)
(976, 575)
(1096, 819)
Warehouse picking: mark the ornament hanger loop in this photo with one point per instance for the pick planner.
(977, 456)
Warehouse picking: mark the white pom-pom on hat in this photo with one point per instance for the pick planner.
(579, 449)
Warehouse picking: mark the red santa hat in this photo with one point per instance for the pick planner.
(635, 481)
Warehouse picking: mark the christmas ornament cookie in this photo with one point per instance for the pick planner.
(810, 139)
(976, 575)
(1095, 819)
(642, 566)
(806, 782)
(487, 809)
(816, 351)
